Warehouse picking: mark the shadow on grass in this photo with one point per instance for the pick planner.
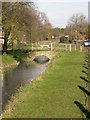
(83, 78)
(86, 57)
(83, 109)
(85, 67)
(84, 64)
(86, 60)
(84, 90)
(85, 72)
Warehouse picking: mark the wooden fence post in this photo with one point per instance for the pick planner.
(70, 47)
(66, 47)
(80, 48)
(51, 47)
(75, 47)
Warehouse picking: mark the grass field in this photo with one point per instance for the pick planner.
(55, 93)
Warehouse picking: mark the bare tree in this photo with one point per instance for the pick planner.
(78, 23)
(46, 26)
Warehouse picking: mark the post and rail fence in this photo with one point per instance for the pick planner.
(50, 46)
(69, 47)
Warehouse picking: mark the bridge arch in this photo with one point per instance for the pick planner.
(41, 59)
(48, 54)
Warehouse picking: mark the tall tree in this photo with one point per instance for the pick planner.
(78, 23)
(16, 17)
(23, 21)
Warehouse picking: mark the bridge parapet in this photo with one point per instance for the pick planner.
(42, 46)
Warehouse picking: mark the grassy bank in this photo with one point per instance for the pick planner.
(55, 93)
(12, 57)
(7, 60)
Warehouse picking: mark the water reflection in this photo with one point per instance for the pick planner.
(16, 77)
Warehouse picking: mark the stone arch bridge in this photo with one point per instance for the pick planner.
(49, 54)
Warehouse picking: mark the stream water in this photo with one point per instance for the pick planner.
(13, 78)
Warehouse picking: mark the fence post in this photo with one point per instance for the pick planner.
(51, 47)
(70, 47)
(66, 47)
(75, 47)
(80, 48)
(32, 47)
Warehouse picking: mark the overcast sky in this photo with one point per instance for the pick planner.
(59, 11)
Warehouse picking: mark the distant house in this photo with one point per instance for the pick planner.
(23, 42)
(53, 37)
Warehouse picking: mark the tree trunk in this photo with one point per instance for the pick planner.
(7, 33)
(5, 45)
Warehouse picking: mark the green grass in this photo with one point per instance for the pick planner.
(21, 46)
(53, 93)
(59, 47)
(26, 47)
(7, 60)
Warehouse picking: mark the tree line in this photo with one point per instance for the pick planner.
(77, 28)
(22, 22)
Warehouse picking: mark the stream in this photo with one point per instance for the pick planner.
(14, 78)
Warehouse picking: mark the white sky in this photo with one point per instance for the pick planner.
(59, 11)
